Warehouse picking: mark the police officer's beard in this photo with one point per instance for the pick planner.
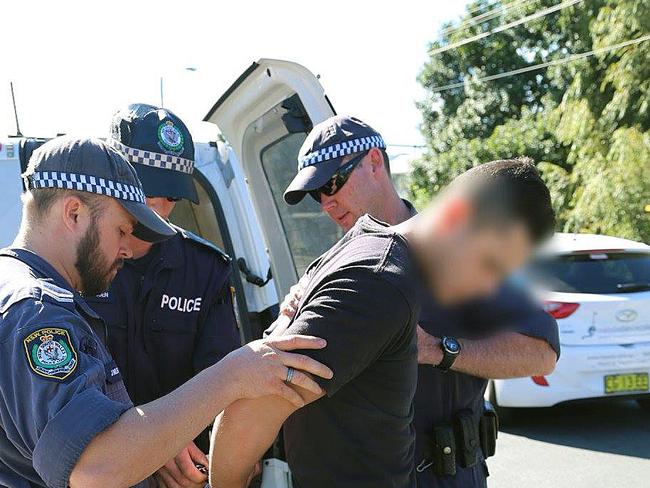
(93, 268)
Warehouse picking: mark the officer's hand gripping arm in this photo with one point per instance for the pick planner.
(145, 437)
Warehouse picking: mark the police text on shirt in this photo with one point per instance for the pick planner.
(181, 304)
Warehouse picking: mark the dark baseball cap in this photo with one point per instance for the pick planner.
(324, 149)
(92, 166)
(160, 147)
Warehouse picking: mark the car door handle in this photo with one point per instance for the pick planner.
(252, 277)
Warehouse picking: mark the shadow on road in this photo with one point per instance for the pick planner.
(618, 427)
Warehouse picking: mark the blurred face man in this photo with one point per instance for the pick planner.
(466, 258)
(483, 227)
(476, 239)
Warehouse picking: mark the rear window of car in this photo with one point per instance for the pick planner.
(593, 272)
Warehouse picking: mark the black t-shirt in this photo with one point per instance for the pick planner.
(362, 297)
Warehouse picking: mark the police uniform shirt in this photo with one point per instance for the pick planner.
(440, 396)
(169, 315)
(59, 386)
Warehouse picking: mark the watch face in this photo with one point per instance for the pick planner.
(451, 345)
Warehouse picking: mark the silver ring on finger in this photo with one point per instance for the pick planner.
(290, 373)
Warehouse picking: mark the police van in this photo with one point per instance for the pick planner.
(264, 116)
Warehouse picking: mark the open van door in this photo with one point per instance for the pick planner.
(265, 116)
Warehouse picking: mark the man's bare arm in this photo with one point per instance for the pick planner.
(506, 355)
(243, 433)
(145, 437)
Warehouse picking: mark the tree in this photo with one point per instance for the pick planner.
(585, 122)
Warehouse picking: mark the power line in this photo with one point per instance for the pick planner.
(536, 15)
(484, 17)
(481, 7)
(473, 20)
(417, 146)
(568, 59)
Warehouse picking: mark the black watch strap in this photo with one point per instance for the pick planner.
(448, 356)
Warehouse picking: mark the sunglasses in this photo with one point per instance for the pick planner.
(338, 179)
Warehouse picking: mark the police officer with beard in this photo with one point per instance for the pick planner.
(170, 310)
(66, 420)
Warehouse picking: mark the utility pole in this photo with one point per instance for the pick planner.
(162, 99)
(13, 98)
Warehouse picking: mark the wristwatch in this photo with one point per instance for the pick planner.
(450, 351)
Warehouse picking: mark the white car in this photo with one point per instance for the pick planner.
(598, 289)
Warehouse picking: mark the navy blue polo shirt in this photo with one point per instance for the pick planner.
(169, 315)
(59, 386)
(440, 396)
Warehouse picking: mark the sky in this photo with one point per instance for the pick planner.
(73, 63)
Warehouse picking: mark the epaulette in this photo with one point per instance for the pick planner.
(40, 290)
(186, 234)
(54, 292)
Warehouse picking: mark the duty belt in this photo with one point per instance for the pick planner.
(458, 444)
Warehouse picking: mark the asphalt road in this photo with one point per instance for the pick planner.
(587, 445)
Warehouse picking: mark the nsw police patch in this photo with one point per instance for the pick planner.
(50, 353)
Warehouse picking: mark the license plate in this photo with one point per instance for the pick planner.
(618, 383)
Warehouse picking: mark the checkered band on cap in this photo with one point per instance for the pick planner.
(150, 158)
(341, 149)
(87, 183)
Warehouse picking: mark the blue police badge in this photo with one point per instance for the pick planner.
(170, 137)
(50, 353)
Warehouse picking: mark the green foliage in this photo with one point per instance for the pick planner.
(586, 123)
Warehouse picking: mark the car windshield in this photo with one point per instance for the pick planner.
(593, 272)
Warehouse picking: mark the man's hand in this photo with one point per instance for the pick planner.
(288, 308)
(147, 436)
(429, 351)
(289, 305)
(260, 368)
(182, 471)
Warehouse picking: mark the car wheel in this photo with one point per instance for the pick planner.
(644, 403)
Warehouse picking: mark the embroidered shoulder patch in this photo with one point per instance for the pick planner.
(50, 353)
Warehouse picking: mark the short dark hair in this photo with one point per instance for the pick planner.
(44, 198)
(510, 189)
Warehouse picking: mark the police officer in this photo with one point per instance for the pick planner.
(459, 349)
(169, 311)
(65, 416)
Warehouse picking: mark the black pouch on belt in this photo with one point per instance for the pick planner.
(443, 455)
(467, 439)
(489, 430)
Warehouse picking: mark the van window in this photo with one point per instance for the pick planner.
(599, 273)
(309, 231)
